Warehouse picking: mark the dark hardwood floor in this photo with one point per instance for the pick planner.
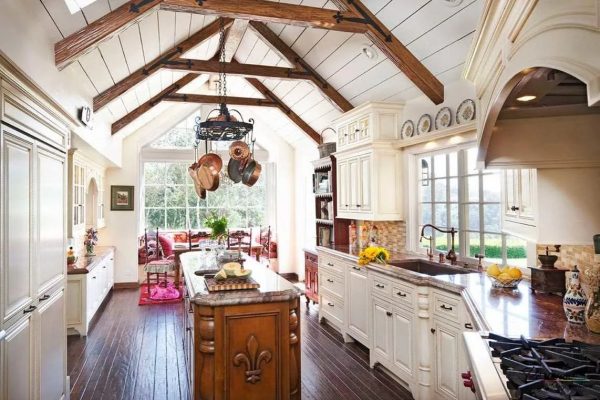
(137, 353)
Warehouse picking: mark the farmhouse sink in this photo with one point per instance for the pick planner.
(429, 267)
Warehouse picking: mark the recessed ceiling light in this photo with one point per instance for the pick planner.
(528, 97)
(370, 52)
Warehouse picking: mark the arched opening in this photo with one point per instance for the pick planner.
(530, 119)
(91, 205)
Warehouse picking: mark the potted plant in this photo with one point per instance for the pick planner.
(91, 239)
(218, 226)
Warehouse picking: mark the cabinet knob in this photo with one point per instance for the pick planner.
(29, 309)
(468, 326)
(388, 313)
(104, 267)
(433, 331)
(93, 277)
(514, 208)
(346, 205)
(358, 205)
(401, 294)
(44, 297)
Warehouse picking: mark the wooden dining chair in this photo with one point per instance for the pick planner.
(156, 263)
(194, 239)
(265, 242)
(241, 240)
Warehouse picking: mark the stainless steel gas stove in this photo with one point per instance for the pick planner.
(510, 369)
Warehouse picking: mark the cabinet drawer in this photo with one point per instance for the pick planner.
(446, 306)
(332, 307)
(333, 283)
(403, 294)
(332, 265)
(382, 287)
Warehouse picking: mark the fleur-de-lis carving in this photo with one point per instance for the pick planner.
(253, 359)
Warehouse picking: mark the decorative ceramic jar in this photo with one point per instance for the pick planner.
(574, 302)
(592, 310)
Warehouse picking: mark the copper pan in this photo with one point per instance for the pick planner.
(213, 159)
(208, 177)
(192, 170)
(235, 169)
(251, 173)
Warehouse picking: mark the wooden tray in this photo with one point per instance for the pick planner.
(230, 284)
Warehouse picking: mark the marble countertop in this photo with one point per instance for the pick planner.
(85, 264)
(502, 311)
(273, 288)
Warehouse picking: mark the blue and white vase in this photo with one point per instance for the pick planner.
(575, 300)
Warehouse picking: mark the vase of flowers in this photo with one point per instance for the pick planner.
(218, 226)
(373, 254)
(91, 239)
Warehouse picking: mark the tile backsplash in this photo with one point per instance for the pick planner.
(391, 234)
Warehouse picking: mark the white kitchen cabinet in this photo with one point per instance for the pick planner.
(369, 123)
(519, 202)
(16, 363)
(383, 331)
(404, 343)
(50, 321)
(372, 187)
(87, 291)
(357, 303)
(447, 343)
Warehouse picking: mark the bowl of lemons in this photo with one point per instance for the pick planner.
(504, 277)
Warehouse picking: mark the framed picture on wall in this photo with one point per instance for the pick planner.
(121, 198)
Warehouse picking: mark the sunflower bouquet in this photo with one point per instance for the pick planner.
(372, 253)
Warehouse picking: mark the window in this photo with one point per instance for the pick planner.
(453, 193)
(171, 202)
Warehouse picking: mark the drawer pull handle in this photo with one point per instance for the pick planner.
(329, 280)
(388, 313)
(514, 208)
(358, 205)
(44, 297)
(104, 267)
(330, 264)
(29, 309)
(401, 294)
(468, 326)
(330, 304)
(445, 307)
(380, 286)
(93, 277)
(356, 268)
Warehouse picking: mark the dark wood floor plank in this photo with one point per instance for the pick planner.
(136, 352)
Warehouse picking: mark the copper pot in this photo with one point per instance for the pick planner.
(213, 159)
(239, 150)
(208, 177)
(251, 173)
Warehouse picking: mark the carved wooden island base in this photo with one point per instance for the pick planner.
(242, 344)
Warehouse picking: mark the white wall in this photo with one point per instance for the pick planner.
(27, 39)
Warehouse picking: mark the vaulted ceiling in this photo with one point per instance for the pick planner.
(437, 32)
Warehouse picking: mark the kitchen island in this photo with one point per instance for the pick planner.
(242, 344)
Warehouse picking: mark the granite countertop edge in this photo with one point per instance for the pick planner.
(102, 253)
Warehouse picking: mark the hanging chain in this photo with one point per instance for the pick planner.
(222, 74)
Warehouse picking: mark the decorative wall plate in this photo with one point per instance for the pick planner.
(443, 118)
(424, 124)
(465, 111)
(408, 129)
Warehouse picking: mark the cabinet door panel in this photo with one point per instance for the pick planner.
(365, 183)
(354, 186)
(17, 168)
(446, 353)
(526, 188)
(403, 341)
(18, 361)
(358, 301)
(53, 341)
(342, 185)
(510, 196)
(51, 219)
(382, 330)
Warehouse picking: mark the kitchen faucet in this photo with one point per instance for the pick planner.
(451, 254)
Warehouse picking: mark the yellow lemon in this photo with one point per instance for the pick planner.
(505, 269)
(493, 270)
(515, 273)
(504, 277)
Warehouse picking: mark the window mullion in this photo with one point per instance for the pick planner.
(481, 214)
(463, 236)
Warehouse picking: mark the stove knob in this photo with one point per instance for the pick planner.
(469, 383)
(466, 375)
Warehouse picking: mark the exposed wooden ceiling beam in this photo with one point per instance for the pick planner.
(84, 40)
(388, 44)
(148, 105)
(267, 11)
(258, 85)
(141, 74)
(290, 55)
(211, 99)
(213, 67)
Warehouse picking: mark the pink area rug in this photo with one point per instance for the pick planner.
(159, 294)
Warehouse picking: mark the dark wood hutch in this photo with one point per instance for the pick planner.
(330, 230)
